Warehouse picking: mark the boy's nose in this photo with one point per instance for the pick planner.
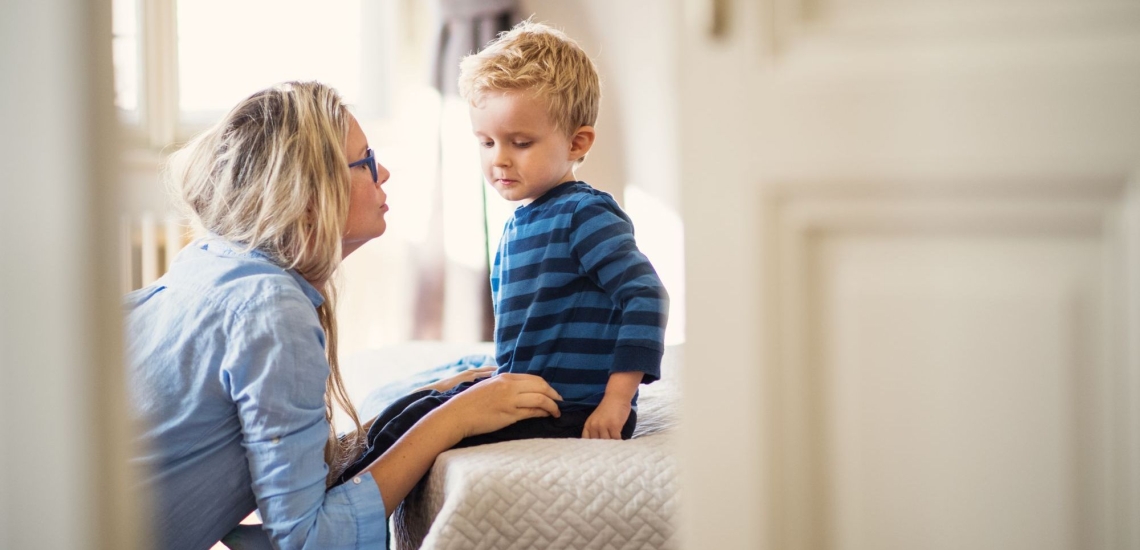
(501, 158)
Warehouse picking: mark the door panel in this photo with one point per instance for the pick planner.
(950, 371)
(945, 362)
(914, 268)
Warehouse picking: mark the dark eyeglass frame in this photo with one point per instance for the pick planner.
(370, 160)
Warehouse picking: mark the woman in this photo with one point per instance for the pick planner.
(232, 353)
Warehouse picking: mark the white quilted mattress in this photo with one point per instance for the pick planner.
(546, 493)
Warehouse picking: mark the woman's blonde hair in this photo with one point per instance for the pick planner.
(273, 176)
(540, 60)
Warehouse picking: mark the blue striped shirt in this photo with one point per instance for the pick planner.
(575, 300)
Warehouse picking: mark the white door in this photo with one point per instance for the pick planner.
(913, 264)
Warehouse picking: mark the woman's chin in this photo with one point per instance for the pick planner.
(350, 244)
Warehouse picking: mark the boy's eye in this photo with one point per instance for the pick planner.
(486, 143)
(522, 143)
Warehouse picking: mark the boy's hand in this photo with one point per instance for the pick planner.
(607, 420)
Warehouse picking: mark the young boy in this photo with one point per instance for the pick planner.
(575, 301)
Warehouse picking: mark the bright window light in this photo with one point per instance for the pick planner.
(228, 49)
(660, 234)
(125, 55)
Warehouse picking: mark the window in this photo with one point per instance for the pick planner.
(227, 49)
(125, 48)
(180, 65)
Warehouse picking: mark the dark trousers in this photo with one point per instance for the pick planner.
(401, 415)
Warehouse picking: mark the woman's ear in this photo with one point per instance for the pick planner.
(581, 142)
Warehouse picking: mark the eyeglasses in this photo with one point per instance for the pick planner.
(370, 160)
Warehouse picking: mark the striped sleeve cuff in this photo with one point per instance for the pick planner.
(638, 359)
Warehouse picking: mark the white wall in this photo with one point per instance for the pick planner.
(62, 467)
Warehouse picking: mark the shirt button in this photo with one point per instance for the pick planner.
(276, 440)
(356, 480)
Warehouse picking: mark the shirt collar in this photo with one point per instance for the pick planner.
(217, 245)
(556, 191)
(307, 287)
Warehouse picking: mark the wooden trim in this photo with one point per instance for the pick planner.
(159, 71)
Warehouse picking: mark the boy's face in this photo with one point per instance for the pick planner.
(523, 153)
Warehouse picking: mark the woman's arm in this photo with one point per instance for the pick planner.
(485, 407)
(469, 375)
(275, 372)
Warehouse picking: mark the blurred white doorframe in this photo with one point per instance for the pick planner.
(63, 478)
(914, 274)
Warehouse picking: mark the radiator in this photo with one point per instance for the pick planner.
(148, 246)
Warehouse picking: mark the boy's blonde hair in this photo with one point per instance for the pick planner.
(273, 176)
(541, 60)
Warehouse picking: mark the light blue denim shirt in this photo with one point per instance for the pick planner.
(227, 374)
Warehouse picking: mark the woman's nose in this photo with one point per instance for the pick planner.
(382, 174)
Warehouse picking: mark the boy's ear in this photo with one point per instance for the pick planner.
(581, 142)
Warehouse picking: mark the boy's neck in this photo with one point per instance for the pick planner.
(529, 202)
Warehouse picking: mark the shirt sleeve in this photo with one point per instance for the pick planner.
(601, 240)
(277, 381)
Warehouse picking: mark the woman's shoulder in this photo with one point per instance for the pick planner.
(238, 282)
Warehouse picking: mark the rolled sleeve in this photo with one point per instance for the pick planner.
(360, 501)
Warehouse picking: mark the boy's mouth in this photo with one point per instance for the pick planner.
(501, 181)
